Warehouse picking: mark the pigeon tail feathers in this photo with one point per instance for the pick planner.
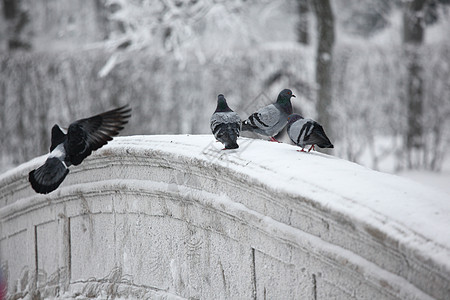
(227, 135)
(320, 138)
(49, 176)
(230, 140)
(330, 145)
(233, 145)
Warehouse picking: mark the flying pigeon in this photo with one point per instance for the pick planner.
(307, 132)
(83, 137)
(225, 124)
(271, 119)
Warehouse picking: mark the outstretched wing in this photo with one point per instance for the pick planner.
(265, 117)
(87, 135)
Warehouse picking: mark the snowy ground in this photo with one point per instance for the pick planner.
(333, 182)
(440, 181)
(383, 206)
(381, 225)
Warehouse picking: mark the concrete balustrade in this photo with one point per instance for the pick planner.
(175, 217)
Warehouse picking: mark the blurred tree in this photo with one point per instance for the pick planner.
(324, 55)
(102, 18)
(3, 39)
(432, 10)
(366, 17)
(17, 21)
(413, 36)
(168, 24)
(303, 27)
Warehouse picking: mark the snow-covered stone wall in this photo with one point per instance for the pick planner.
(175, 217)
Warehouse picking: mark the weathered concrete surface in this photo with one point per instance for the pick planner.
(173, 217)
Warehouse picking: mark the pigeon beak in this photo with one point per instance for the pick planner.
(293, 95)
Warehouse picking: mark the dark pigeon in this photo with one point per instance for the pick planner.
(83, 137)
(225, 124)
(305, 132)
(271, 119)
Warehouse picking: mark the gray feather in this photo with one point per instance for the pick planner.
(271, 119)
(305, 132)
(226, 127)
(268, 121)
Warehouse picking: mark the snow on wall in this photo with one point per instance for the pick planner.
(177, 217)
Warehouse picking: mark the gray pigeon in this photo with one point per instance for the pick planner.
(83, 137)
(271, 119)
(307, 132)
(225, 124)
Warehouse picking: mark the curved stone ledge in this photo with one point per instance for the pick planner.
(176, 217)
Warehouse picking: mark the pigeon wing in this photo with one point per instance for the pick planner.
(225, 118)
(318, 137)
(298, 130)
(265, 117)
(90, 134)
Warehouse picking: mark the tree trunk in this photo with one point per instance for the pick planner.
(3, 31)
(102, 19)
(302, 27)
(325, 35)
(413, 34)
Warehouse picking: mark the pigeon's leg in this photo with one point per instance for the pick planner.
(312, 148)
(303, 150)
(272, 139)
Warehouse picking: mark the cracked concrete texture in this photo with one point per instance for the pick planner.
(136, 221)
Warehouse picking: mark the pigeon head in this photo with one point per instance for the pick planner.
(294, 117)
(222, 105)
(285, 96)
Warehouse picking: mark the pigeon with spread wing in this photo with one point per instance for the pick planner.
(71, 148)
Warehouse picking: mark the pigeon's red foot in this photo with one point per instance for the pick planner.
(303, 150)
(312, 148)
(272, 139)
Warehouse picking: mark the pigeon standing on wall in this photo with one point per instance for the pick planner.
(83, 137)
(271, 119)
(225, 124)
(307, 132)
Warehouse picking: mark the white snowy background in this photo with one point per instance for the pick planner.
(169, 59)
